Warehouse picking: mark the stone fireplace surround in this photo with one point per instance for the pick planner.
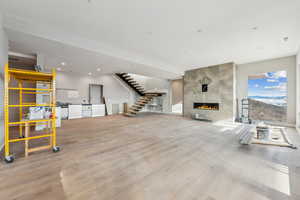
(220, 80)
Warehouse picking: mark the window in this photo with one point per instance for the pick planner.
(267, 93)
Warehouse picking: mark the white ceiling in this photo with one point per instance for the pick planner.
(77, 59)
(167, 35)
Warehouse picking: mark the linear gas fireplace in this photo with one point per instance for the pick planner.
(206, 106)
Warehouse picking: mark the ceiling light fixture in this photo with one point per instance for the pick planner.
(98, 69)
(63, 63)
(90, 73)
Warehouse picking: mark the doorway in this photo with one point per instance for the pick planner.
(95, 94)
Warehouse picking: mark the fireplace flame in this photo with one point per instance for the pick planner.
(206, 107)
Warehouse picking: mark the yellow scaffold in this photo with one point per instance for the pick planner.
(22, 76)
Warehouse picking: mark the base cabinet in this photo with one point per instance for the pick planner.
(98, 110)
(75, 111)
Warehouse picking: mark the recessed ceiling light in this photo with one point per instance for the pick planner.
(63, 63)
(285, 39)
(58, 69)
(90, 73)
(98, 69)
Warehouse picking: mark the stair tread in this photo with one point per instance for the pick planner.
(132, 112)
(135, 108)
(136, 105)
(129, 80)
(142, 101)
(141, 104)
(129, 115)
(151, 94)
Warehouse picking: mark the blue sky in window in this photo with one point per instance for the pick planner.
(268, 86)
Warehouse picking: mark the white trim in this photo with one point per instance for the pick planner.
(298, 90)
(234, 92)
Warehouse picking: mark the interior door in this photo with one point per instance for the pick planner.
(96, 94)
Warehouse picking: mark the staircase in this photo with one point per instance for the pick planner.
(144, 98)
(131, 83)
(139, 105)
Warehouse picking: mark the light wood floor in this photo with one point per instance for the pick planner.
(152, 157)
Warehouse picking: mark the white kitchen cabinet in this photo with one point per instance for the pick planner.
(75, 111)
(86, 110)
(98, 110)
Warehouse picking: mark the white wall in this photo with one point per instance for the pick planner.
(3, 61)
(113, 89)
(66, 81)
(286, 63)
(298, 91)
(177, 96)
(150, 83)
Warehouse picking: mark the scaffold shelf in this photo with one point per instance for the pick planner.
(22, 76)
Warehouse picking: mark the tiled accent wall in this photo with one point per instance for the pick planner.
(220, 90)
